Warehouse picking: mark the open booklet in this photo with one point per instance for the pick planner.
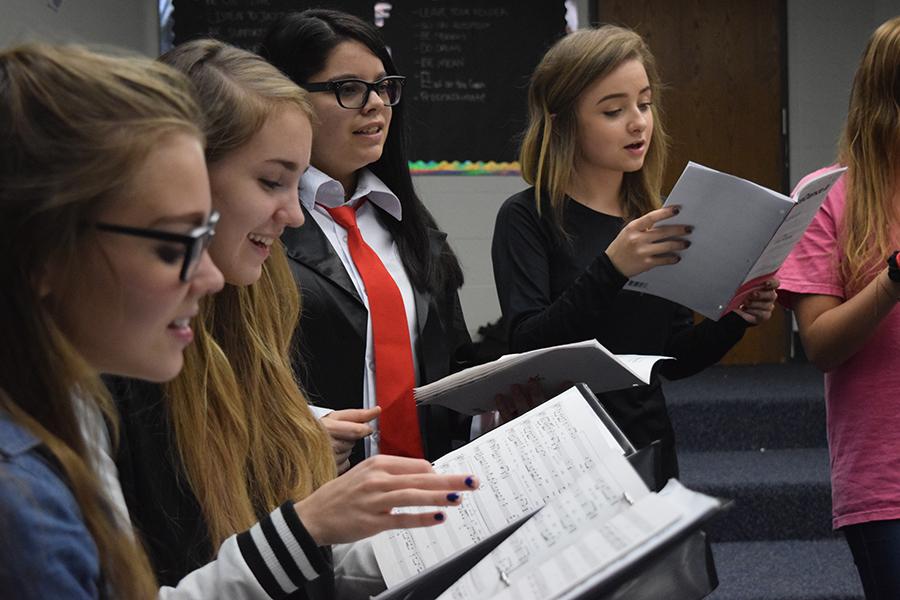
(472, 390)
(552, 480)
(743, 232)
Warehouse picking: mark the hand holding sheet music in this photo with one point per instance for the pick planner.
(742, 234)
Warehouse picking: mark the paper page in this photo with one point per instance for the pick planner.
(521, 466)
(641, 364)
(473, 390)
(733, 221)
(571, 538)
(695, 508)
(808, 200)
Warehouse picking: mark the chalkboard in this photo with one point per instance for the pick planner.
(467, 61)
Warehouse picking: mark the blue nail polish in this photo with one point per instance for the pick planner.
(452, 497)
(439, 517)
(470, 482)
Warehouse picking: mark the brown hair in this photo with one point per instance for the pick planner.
(244, 432)
(74, 128)
(870, 147)
(550, 144)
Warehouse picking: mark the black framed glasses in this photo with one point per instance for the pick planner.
(354, 93)
(195, 241)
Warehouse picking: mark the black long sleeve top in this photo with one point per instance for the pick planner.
(557, 288)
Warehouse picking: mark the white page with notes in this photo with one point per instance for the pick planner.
(571, 538)
(521, 466)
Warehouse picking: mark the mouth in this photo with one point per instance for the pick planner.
(182, 323)
(261, 241)
(636, 145)
(370, 130)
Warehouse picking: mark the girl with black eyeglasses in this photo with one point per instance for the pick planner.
(381, 311)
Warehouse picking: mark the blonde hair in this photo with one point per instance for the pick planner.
(244, 432)
(550, 144)
(74, 128)
(870, 148)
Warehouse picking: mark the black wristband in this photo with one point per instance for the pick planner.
(893, 267)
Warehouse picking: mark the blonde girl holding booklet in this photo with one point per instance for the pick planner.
(594, 150)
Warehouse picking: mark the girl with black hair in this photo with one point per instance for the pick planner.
(381, 311)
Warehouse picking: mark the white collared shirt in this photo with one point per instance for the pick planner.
(317, 188)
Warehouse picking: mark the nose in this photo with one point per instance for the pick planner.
(639, 121)
(290, 214)
(207, 279)
(375, 104)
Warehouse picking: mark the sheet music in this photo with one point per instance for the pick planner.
(564, 544)
(521, 466)
(473, 390)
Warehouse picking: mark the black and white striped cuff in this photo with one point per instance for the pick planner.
(280, 552)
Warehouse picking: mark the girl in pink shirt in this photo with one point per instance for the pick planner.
(845, 300)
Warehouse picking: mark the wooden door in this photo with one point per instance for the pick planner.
(724, 103)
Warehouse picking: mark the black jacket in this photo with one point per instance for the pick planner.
(330, 344)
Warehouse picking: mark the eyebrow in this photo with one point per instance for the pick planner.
(192, 219)
(621, 95)
(287, 164)
(355, 76)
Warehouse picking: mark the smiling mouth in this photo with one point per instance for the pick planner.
(369, 130)
(180, 323)
(260, 240)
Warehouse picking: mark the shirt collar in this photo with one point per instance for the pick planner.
(317, 187)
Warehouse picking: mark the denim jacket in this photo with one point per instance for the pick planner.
(46, 550)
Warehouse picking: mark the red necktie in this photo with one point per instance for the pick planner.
(394, 371)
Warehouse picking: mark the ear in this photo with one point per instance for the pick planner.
(44, 279)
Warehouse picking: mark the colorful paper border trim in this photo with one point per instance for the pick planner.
(466, 167)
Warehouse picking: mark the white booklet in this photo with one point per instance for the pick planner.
(521, 465)
(472, 390)
(574, 545)
(560, 511)
(743, 232)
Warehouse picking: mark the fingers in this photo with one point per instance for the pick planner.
(396, 465)
(536, 392)
(342, 447)
(505, 407)
(356, 415)
(655, 216)
(415, 520)
(521, 398)
(424, 481)
(346, 430)
(415, 497)
(343, 465)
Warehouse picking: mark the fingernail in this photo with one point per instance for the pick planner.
(452, 497)
(439, 517)
(675, 210)
(687, 244)
(470, 482)
(689, 229)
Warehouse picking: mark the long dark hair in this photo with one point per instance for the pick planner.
(299, 44)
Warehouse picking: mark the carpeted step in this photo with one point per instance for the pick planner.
(748, 408)
(786, 570)
(777, 494)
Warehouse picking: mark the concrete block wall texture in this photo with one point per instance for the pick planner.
(466, 207)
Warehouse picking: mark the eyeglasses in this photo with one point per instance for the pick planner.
(195, 241)
(354, 93)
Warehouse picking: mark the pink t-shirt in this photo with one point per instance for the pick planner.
(862, 395)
